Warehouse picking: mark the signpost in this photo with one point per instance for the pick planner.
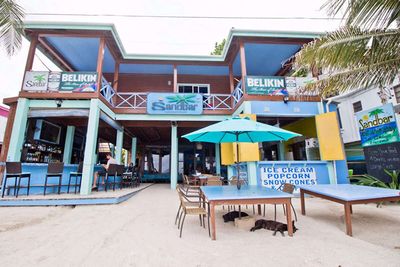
(169, 103)
(377, 126)
(78, 81)
(273, 177)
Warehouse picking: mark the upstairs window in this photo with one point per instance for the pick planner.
(357, 106)
(194, 88)
(397, 93)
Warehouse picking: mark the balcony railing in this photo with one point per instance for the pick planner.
(107, 91)
(136, 101)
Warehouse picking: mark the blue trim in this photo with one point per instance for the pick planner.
(280, 109)
(68, 202)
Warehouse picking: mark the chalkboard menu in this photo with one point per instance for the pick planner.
(382, 157)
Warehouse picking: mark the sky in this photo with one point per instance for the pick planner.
(161, 35)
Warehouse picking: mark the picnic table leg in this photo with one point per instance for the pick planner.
(303, 205)
(347, 217)
(212, 220)
(289, 218)
(259, 209)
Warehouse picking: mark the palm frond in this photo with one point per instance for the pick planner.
(347, 47)
(366, 13)
(349, 63)
(11, 26)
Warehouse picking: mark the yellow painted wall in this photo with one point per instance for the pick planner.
(247, 151)
(329, 139)
(305, 127)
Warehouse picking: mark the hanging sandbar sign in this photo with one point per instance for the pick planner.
(35, 81)
(274, 177)
(266, 85)
(78, 81)
(168, 103)
(377, 126)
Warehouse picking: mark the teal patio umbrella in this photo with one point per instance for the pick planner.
(239, 130)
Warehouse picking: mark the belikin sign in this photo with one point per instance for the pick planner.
(274, 177)
(265, 85)
(377, 126)
(78, 81)
(169, 103)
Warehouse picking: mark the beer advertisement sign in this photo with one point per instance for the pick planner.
(78, 81)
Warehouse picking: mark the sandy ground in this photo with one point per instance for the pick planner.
(141, 232)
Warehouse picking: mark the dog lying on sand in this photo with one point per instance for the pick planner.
(273, 226)
(230, 216)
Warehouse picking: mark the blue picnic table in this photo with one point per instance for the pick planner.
(348, 195)
(247, 195)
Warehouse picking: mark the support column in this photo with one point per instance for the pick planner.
(118, 145)
(251, 165)
(175, 85)
(174, 155)
(281, 151)
(218, 159)
(99, 68)
(18, 130)
(90, 148)
(229, 171)
(133, 150)
(69, 142)
(243, 65)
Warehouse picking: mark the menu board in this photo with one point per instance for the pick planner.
(382, 157)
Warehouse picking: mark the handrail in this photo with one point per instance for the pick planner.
(107, 91)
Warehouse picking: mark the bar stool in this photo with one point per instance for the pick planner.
(76, 175)
(14, 170)
(54, 169)
(112, 171)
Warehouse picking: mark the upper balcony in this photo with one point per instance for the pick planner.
(124, 81)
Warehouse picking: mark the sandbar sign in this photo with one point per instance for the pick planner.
(35, 81)
(169, 103)
(377, 126)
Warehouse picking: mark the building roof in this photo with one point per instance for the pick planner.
(265, 50)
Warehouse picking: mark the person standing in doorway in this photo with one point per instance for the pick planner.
(102, 173)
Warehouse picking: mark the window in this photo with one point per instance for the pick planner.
(339, 118)
(357, 106)
(194, 88)
(397, 93)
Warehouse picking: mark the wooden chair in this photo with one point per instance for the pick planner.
(189, 192)
(14, 170)
(190, 207)
(76, 174)
(214, 182)
(287, 188)
(54, 169)
(188, 181)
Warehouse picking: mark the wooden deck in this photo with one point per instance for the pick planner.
(96, 198)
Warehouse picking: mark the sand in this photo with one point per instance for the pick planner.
(141, 232)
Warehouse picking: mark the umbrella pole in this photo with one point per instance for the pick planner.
(238, 185)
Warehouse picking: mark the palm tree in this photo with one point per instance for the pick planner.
(363, 53)
(376, 113)
(11, 26)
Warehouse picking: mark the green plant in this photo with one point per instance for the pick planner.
(369, 180)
